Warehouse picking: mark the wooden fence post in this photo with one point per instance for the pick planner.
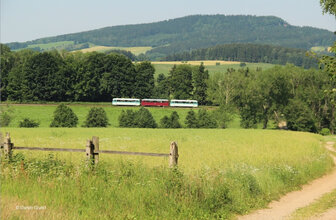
(95, 142)
(8, 145)
(89, 152)
(1, 139)
(173, 156)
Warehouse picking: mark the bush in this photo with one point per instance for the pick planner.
(28, 123)
(64, 117)
(242, 64)
(191, 120)
(224, 115)
(96, 118)
(6, 116)
(171, 122)
(299, 116)
(126, 119)
(144, 119)
(205, 120)
(325, 132)
(139, 119)
(5, 119)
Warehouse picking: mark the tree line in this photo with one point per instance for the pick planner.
(32, 76)
(255, 53)
(283, 93)
(62, 76)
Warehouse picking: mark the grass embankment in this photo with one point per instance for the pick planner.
(44, 113)
(221, 172)
(321, 205)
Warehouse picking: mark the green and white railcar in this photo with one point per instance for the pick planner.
(183, 103)
(126, 102)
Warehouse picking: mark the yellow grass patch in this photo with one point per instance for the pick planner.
(198, 62)
(134, 50)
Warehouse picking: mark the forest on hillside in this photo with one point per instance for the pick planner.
(194, 32)
(288, 93)
(253, 53)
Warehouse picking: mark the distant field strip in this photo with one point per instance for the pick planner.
(54, 45)
(198, 62)
(134, 50)
(165, 66)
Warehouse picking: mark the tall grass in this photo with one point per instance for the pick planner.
(221, 172)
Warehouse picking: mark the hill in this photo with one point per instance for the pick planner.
(193, 32)
(255, 53)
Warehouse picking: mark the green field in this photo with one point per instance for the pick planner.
(320, 49)
(54, 45)
(64, 44)
(221, 173)
(165, 68)
(44, 113)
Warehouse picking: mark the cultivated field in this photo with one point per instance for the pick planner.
(134, 50)
(221, 172)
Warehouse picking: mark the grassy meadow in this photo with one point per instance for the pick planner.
(221, 173)
(44, 113)
(164, 66)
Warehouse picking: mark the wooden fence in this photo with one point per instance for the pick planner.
(92, 150)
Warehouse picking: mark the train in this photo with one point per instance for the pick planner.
(155, 102)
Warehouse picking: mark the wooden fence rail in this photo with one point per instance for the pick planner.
(92, 150)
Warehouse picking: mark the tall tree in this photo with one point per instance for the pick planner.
(329, 62)
(180, 80)
(161, 89)
(91, 71)
(199, 78)
(144, 80)
(222, 87)
(118, 78)
(42, 80)
(17, 74)
(6, 64)
(328, 6)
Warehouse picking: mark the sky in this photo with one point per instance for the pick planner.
(23, 20)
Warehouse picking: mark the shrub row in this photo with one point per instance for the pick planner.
(65, 117)
(144, 119)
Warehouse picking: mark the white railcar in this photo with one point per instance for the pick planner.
(183, 103)
(126, 102)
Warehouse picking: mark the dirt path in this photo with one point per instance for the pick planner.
(283, 208)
